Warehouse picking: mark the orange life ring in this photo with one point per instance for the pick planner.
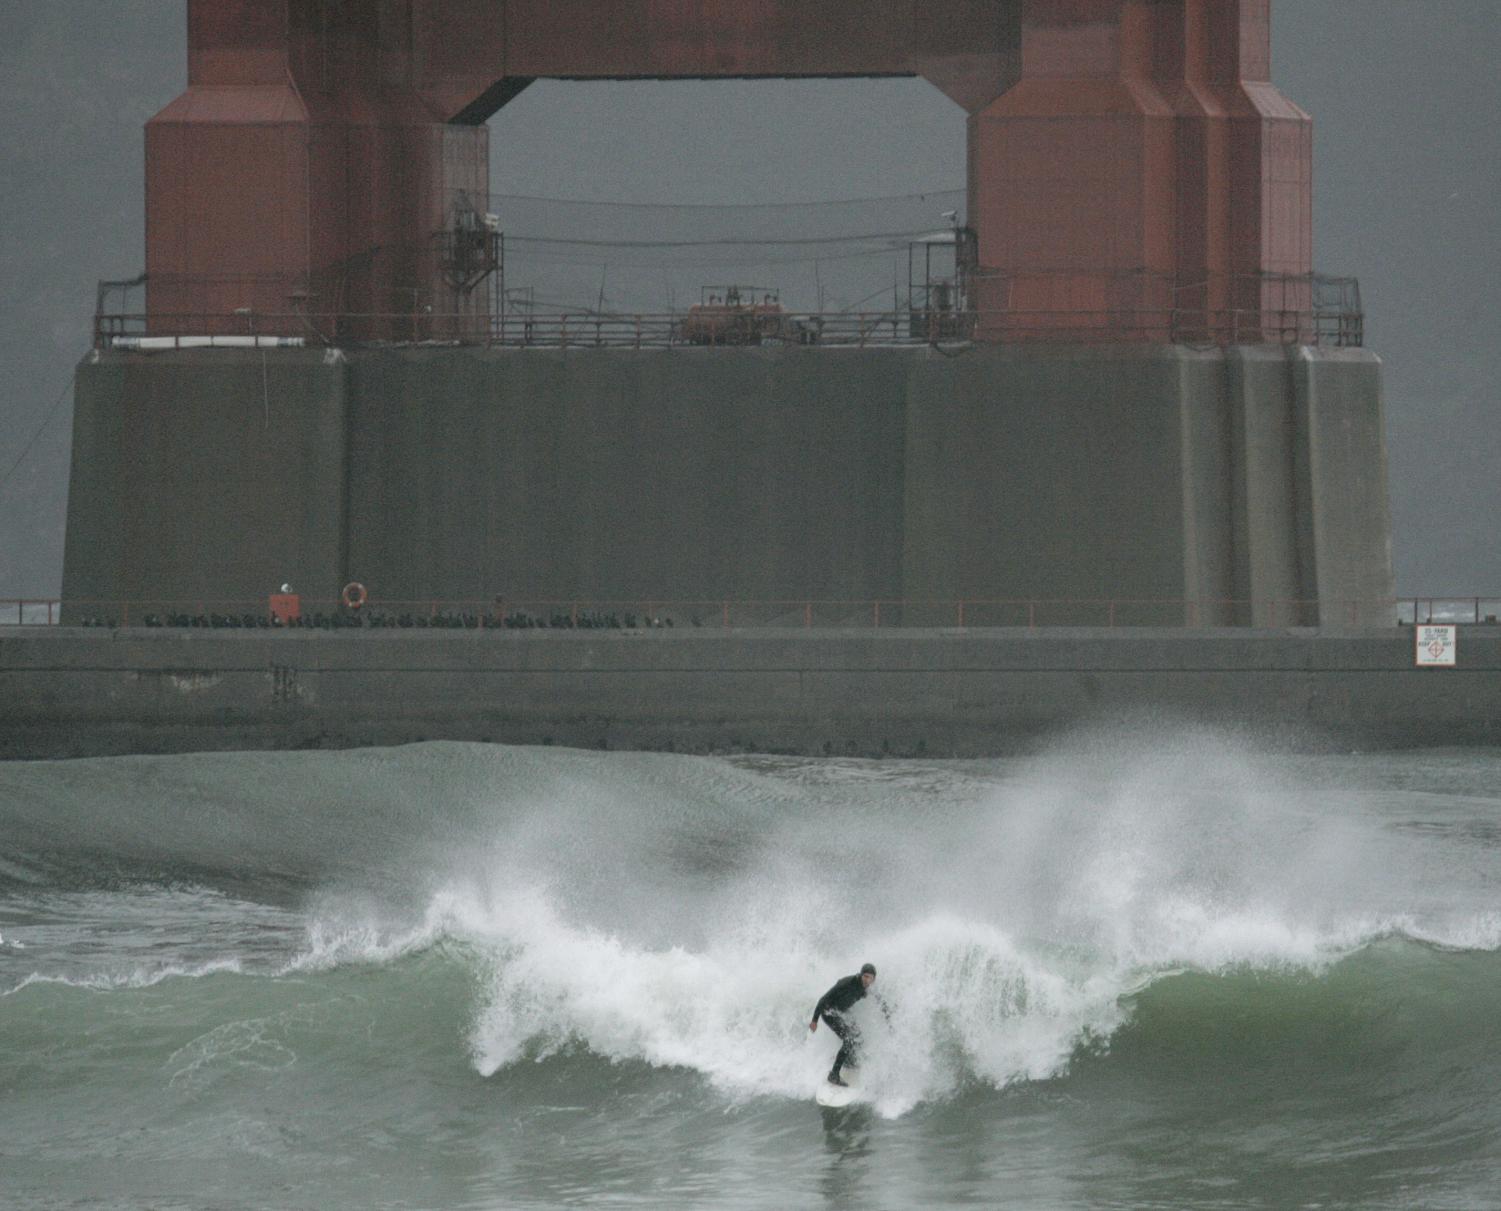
(354, 595)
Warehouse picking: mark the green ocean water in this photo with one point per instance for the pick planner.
(1142, 969)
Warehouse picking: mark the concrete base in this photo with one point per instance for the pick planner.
(1248, 482)
(898, 692)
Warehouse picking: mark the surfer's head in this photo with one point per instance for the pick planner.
(868, 974)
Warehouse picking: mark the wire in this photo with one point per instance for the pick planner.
(587, 260)
(47, 420)
(722, 242)
(882, 289)
(892, 197)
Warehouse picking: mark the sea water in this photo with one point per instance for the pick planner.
(1140, 969)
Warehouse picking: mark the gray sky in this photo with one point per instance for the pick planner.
(1405, 104)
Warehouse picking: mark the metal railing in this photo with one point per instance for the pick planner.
(1476, 611)
(1005, 306)
(970, 613)
(1224, 326)
(30, 611)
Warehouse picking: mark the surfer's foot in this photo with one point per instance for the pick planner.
(834, 1079)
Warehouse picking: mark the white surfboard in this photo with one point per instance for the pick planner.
(838, 1095)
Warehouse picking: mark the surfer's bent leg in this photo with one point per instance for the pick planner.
(849, 1053)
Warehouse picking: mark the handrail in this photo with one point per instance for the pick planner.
(509, 612)
(1208, 307)
(1161, 324)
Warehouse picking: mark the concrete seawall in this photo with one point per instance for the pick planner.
(68, 692)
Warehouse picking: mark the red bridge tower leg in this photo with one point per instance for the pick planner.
(1133, 175)
(1142, 178)
(299, 183)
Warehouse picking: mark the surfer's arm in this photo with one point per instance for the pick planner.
(823, 1003)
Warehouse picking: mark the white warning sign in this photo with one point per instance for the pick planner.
(1436, 646)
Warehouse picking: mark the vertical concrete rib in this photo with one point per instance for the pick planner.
(1299, 393)
(1208, 546)
(1346, 510)
(98, 486)
(1268, 514)
(1234, 376)
(336, 358)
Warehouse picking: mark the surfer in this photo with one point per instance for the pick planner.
(834, 1007)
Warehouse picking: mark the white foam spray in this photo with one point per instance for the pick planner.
(1013, 909)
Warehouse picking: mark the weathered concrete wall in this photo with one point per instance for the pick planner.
(205, 475)
(1211, 509)
(1045, 473)
(1149, 474)
(686, 474)
(1343, 437)
(1250, 481)
(1269, 511)
(66, 692)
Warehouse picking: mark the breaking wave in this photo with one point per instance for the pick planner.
(1099, 910)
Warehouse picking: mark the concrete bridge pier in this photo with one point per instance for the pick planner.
(1241, 486)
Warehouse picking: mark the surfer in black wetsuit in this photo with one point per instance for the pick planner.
(834, 1007)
